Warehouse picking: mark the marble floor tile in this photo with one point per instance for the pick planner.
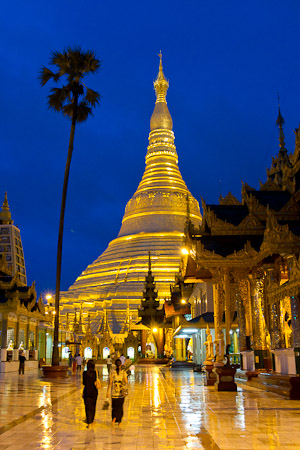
(164, 410)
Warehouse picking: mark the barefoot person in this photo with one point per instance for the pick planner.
(90, 392)
(117, 382)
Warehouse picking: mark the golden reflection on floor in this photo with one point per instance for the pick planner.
(164, 410)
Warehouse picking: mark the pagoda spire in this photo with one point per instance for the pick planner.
(161, 118)
(161, 84)
(149, 311)
(5, 206)
(5, 214)
(280, 123)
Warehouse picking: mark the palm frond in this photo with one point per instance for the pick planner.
(61, 61)
(68, 110)
(57, 98)
(92, 64)
(46, 74)
(84, 111)
(92, 97)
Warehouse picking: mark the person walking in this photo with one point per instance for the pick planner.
(90, 392)
(22, 360)
(117, 382)
(79, 360)
(122, 359)
(108, 364)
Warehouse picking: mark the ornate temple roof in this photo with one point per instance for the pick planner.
(154, 220)
(266, 223)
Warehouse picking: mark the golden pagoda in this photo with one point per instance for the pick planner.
(154, 221)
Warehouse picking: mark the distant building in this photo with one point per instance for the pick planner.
(11, 244)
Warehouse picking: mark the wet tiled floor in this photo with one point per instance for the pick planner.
(164, 410)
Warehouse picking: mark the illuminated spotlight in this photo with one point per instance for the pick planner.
(154, 330)
(185, 251)
(48, 297)
(54, 312)
(183, 301)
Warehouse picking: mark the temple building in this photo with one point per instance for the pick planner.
(248, 252)
(11, 244)
(23, 321)
(154, 221)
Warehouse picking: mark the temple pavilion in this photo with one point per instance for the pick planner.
(154, 221)
(248, 252)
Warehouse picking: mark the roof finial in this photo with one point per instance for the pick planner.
(280, 122)
(149, 262)
(5, 206)
(161, 84)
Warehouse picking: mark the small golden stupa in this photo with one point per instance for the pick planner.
(154, 221)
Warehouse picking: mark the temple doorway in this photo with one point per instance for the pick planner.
(88, 353)
(189, 350)
(150, 350)
(106, 352)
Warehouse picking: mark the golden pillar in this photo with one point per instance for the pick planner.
(258, 320)
(275, 334)
(218, 313)
(227, 307)
(143, 342)
(295, 307)
(242, 296)
(183, 349)
(178, 350)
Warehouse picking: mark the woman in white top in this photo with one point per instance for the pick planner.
(117, 382)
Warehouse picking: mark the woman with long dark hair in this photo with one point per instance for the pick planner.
(117, 382)
(90, 392)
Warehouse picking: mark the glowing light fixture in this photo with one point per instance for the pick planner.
(185, 251)
(183, 301)
(154, 330)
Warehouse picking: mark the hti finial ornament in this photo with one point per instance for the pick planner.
(161, 84)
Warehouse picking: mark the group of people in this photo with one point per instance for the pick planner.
(116, 389)
(76, 363)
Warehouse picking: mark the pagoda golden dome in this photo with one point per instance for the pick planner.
(154, 220)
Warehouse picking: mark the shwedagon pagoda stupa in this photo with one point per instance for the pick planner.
(154, 221)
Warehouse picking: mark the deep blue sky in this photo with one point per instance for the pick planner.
(225, 62)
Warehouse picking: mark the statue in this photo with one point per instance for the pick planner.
(10, 345)
(220, 347)
(209, 347)
(21, 346)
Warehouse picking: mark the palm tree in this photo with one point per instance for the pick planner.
(76, 101)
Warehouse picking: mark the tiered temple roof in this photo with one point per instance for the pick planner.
(264, 223)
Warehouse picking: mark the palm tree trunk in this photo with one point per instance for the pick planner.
(55, 353)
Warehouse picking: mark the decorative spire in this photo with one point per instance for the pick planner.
(161, 84)
(149, 262)
(5, 214)
(161, 118)
(280, 122)
(5, 206)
